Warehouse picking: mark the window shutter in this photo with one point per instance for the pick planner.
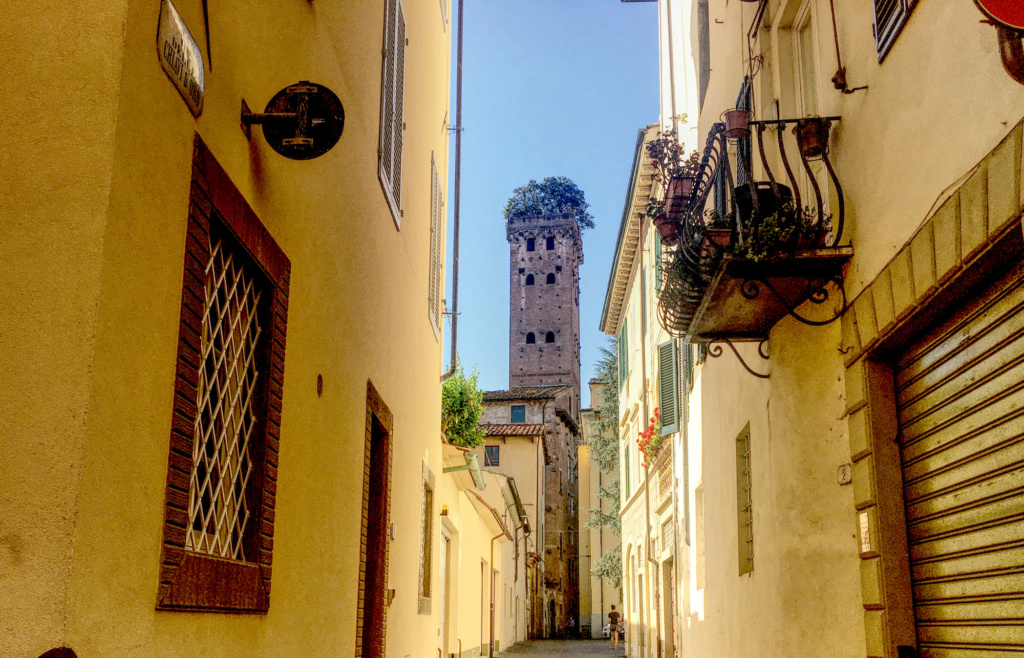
(436, 246)
(626, 468)
(890, 17)
(668, 388)
(392, 106)
(657, 265)
(623, 355)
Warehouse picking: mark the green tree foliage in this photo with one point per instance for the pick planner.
(461, 408)
(553, 195)
(610, 566)
(604, 450)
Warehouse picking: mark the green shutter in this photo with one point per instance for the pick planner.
(668, 388)
(657, 265)
(626, 468)
(643, 298)
(623, 355)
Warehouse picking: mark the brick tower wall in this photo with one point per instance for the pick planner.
(545, 307)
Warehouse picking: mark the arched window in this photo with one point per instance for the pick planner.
(550, 243)
(529, 279)
(530, 244)
(530, 338)
(551, 277)
(549, 337)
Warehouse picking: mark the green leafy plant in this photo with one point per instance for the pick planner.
(784, 231)
(553, 195)
(655, 207)
(461, 408)
(604, 451)
(610, 566)
(669, 158)
(715, 219)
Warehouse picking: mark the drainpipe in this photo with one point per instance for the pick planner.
(455, 218)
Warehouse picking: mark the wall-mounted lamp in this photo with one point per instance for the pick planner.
(444, 510)
(301, 122)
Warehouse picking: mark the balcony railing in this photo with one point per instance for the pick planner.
(765, 247)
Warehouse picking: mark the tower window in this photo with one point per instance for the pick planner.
(530, 338)
(529, 279)
(549, 337)
(530, 245)
(551, 277)
(550, 243)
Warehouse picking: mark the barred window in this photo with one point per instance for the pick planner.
(225, 429)
(222, 471)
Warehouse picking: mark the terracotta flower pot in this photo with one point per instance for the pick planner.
(720, 236)
(812, 137)
(678, 195)
(737, 123)
(668, 229)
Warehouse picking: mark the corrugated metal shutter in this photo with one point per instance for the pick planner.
(960, 394)
(668, 387)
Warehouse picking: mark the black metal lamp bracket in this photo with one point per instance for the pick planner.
(715, 351)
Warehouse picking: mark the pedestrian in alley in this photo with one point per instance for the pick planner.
(613, 624)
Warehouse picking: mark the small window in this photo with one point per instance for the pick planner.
(549, 337)
(491, 455)
(519, 413)
(550, 243)
(530, 338)
(890, 17)
(551, 277)
(530, 244)
(529, 279)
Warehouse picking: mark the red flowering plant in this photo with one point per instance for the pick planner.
(650, 439)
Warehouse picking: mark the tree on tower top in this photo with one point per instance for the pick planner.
(553, 195)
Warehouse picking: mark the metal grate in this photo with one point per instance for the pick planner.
(221, 464)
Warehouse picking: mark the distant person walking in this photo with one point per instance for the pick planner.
(613, 623)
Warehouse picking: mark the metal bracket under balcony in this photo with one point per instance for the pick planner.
(745, 299)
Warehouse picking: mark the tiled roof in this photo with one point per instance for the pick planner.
(512, 429)
(525, 393)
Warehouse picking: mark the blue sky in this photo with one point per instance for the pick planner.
(550, 88)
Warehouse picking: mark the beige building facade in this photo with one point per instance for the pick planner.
(222, 365)
(856, 502)
(597, 594)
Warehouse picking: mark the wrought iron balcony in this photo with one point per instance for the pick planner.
(765, 249)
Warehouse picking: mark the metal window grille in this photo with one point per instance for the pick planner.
(222, 467)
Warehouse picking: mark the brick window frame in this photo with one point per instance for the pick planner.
(189, 580)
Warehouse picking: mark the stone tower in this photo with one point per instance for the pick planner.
(544, 331)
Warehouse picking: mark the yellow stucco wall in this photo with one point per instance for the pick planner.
(98, 169)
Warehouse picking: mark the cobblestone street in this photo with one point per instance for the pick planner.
(548, 648)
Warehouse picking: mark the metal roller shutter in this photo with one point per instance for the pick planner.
(960, 395)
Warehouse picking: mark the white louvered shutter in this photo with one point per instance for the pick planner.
(436, 245)
(392, 107)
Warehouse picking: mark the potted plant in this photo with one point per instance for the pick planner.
(676, 170)
(785, 230)
(812, 136)
(718, 228)
(668, 227)
(737, 123)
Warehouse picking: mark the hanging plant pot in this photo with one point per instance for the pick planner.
(812, 137)
(720, 236)
(737, 123)
(678, 195)
(668, 229)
